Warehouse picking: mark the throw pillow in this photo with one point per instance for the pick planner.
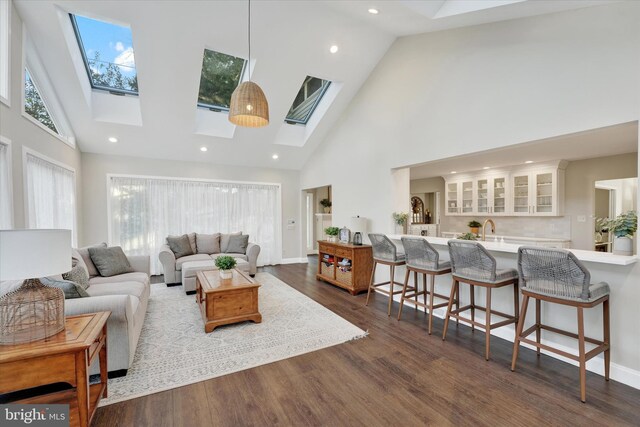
(238, 244)
(192, 242)
(110, 261)
(76, 259)
(180, 245)
(224, 241)
(76, 275)
(70, 289)
(208, 243)
(84, 253)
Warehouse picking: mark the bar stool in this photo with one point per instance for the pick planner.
(557, 276)
(422, 258)
(472, 264)
(384, 252)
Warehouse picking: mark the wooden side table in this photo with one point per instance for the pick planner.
(62, 358)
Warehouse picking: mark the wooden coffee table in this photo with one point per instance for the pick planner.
(226, 301)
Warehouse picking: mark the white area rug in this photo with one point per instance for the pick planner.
(174, 350)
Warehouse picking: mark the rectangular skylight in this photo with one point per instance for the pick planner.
(307, 100)
(221, 74)
(107, 50)
(34, 105)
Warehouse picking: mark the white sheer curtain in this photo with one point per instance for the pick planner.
(51, 195)
(144, 211)
(6, 204)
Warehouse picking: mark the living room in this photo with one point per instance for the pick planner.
(118, 123)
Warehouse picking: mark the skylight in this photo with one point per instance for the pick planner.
(221, 74)
(34, 105)
(307, 100)
(107, 50)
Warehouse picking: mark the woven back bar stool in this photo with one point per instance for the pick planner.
(557, 276)
(472, 264)
(384, 252)
(422, 258)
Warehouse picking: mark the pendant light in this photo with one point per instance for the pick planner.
(249, 106)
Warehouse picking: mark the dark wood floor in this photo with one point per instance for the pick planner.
(398, 375)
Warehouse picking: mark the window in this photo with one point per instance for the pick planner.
(34, 105)
(220, 76)
(5, 49)
(6, 193)
(145, 210)
(50, 194)
(307, 100)
(107, 50)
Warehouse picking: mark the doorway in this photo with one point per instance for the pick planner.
(317, 205)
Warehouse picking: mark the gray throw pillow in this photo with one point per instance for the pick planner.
(180, 245)
(77, 275)
(84, 252)
(110, 261)
(208, 243)
(224, 241)
(238, 244)
(70, 288)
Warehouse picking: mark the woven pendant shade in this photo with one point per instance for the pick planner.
(249, 106)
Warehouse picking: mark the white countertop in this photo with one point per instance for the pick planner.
(582, 255)
(490, 237)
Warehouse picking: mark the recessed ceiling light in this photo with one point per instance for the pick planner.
(113, 139)
(486, 167)
(454, 172)
(529, 161)
(274, 157)
(203, 149)
(333, 49)
(374, 11)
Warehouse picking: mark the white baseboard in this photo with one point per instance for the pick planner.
(303, 260)
(619, 373)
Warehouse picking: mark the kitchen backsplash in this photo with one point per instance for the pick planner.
(552, 227)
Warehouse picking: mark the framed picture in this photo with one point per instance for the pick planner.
(345, 235)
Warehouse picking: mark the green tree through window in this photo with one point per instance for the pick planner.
(220, 76)
(33, 104)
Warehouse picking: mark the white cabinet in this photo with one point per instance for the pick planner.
(460, 197)
(452, 195)
(538, 193)
(491, 195)
(424, 230)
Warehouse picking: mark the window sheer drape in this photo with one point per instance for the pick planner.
(51, 195)
(144, 211)
(6, 204)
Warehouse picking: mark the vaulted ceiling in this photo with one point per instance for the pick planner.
(290, 40)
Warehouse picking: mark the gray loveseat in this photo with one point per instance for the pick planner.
(172, 266)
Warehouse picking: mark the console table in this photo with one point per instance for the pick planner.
(356, 276)
(62, 358)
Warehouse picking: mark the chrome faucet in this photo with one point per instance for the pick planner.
(484, 228)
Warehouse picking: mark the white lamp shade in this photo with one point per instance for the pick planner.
(358, 224)
(29, 254)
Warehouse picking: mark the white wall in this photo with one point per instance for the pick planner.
(94, 186)
(24, 133)
(456, 92)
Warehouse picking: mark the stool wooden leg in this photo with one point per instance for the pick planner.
(393, 272)
(424, 286)
(519, 328)
(607, 352)
(404, 292)
(487, 326)
(415, 285)
(446, 317)
(472, 299)
(431, 290)
(582, 358)
(373, 274)
(538, 323)
(458, 301)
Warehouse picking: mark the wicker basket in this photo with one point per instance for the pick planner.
(344, 276)
(327, 270)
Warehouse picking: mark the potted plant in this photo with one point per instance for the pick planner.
(467, 236)
(326, 204)
(225, 263)
(332, 232)
(474, 226)
(622, 227)
(400, 218)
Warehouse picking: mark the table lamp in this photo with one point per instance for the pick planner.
(33, 311)
(359, 227)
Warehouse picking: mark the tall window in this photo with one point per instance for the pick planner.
(308, 98)
(6, 203)
(34, 105)
(220, 76)
(144, 211)
(51, 195)
(107, 51)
